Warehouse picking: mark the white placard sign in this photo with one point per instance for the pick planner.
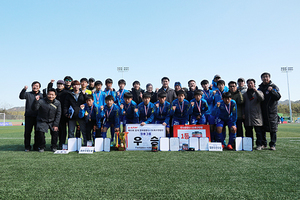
(247, 144)
(164, 144)
(141, 137)
(99, 146)
(72, 144)
(174, 144)
(86, 150)
(106, 147)
(79, 143)
(61, 152)
(238, 143)
(194, 143)
(204, 143)
(215, 146)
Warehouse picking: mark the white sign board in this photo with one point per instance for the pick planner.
(215, 146)
(141, 137)
(238, 143)
(99, 145)
(74, 144)
(247, 144)
(86, 150)
(106, 147)
(204, 143)
(61, 152)
(164, 144)
(194, 143)
(174, 144)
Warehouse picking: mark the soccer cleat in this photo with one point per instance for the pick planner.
(272, 148)
(229, 147)
(41, 150)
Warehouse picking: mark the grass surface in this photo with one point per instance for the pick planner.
(146, 175)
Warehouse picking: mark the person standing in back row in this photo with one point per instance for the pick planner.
(269, 109)
(30, 114)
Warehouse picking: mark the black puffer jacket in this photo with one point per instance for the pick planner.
(71, 101)
(49, 114)
(136, 95)
(30, 98)
(269, 106)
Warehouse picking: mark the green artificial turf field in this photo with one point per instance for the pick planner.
(150, 175)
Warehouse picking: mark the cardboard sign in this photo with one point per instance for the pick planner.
(184, 132)
(142, 137)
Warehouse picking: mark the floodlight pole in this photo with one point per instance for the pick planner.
(122, 69)
(287, 70)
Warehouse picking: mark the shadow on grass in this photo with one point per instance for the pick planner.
(12, 147)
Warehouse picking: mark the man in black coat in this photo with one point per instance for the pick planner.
(71, 110)
(49, 113)
(61, 95)
(269, 109)
(137, 92)
(30, 115)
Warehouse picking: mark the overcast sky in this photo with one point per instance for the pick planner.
(44, 40)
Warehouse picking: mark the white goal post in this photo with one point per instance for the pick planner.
(3, 117)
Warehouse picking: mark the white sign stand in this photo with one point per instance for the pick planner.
(164, 144)
(194, 143)
(204, 141)
(239, 144)
(107, 145)
(99, 145)
(247, 144)
(174, 144)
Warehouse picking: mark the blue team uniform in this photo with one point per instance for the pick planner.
(195, 113)
(99, 98)
(111, 117)
(120, 98)
(108, 92)
(91, 110)
(226, 115)
(209, 97)
(215, 86)
(218, 96)
(146, 114)
(129, 116)
(162, 113)
(180, 117)
(90, 119)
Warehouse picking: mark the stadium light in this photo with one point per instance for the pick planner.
(122, 69)
(286, 70)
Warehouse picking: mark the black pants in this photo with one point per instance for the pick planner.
(62, 134)
(90, 129)
(239, 127)
(30, 122)
(258, 131)
(273, 136)
(41, 142)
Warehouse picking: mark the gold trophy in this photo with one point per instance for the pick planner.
(121, 136)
